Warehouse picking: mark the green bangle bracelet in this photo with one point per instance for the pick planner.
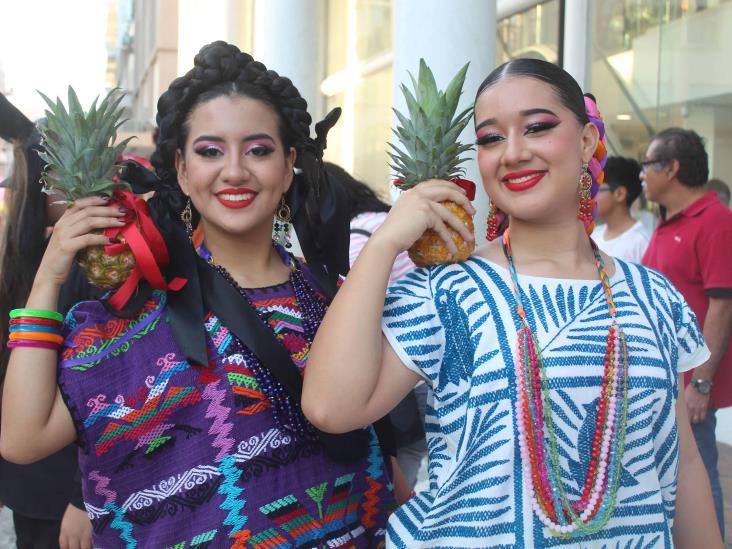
(38, 313)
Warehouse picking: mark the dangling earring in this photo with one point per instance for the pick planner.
(493, 222)
(186, 217)
(282, 225)
(587, 204)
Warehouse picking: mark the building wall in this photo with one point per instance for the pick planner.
(652, 63)
(658, 63)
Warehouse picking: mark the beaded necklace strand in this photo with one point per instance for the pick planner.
(537, 436)
(286, 411)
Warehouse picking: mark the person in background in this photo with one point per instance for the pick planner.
(721, 188)
(621, 235)
(367, 211)
(45, 497)
(691, 246)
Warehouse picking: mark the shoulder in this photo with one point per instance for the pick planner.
(652, 288)
(637, 274)
(719, 220)
(639, 231)
(88, 322)
(456, 278)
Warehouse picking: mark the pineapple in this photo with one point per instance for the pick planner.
(429, 138)
(81, 161)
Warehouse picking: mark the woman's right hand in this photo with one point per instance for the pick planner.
(419, 209)
(74, 231)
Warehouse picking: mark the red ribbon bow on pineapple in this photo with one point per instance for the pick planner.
(143, 239)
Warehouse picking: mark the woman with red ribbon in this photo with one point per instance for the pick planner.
(186, 403)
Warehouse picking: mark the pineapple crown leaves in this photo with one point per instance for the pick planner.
(429, 135)
(80, 150)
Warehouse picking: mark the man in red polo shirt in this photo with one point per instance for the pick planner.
(692, 246)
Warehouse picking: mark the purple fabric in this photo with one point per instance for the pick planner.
(176, 454)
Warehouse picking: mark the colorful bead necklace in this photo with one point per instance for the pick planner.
(537, 437)
(286, 411)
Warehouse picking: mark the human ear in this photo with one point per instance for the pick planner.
(620, 194)
(590, 137)
(180, 168)
(672, 168)
(290, 158)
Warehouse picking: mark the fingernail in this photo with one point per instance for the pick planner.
(123, 210)
(106, 198)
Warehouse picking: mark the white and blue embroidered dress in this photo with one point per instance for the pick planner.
(455, 325)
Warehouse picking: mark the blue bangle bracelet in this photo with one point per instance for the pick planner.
(34, 328)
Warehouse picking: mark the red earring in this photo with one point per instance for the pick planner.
(587, 204)
(492, 230)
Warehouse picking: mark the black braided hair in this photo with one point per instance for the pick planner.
(222, 69)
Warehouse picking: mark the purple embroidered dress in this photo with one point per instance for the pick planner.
(176, 455)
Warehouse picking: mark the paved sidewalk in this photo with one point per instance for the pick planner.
(7, 535)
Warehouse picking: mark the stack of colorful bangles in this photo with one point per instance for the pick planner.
(35, 328)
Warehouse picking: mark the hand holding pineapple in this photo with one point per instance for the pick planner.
(116, 249)
(77, 229)
(81, 159)
(430, 150)
(421, 209)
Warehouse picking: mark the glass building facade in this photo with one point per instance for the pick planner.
(651, 64)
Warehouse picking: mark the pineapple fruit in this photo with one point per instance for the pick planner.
(430, 150)
(81, 161)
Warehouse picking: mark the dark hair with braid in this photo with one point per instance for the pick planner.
(221, 69)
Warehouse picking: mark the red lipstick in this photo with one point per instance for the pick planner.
(236, 199)
(522, 180)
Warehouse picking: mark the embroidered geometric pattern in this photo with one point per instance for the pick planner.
(285, 319)
(455, 325)
(181, 455)
(91, 345)
(242, 381)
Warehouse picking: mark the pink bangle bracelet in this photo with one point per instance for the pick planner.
(33, 344)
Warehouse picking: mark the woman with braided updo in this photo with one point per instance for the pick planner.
(186, 405)
(554, 417)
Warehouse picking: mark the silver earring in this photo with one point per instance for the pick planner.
(282, 225)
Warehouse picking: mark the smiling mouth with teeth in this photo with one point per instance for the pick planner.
(235, 200)
(520, 179)
(235, 197)
(523, 181)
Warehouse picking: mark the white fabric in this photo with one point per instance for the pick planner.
(456, 326)
(628, 246)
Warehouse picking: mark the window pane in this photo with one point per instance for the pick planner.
(372, 129)
(530, 33)
(657, 64)
(373, 20)
(337, 33)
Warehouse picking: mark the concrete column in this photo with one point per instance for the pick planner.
(447, 37)
(578, 40)
(289, 38)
